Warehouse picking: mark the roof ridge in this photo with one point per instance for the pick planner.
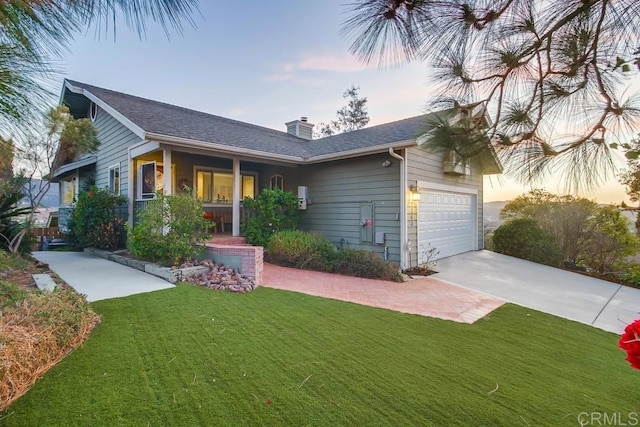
(190, 110)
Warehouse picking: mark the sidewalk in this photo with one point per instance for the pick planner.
(99, 278)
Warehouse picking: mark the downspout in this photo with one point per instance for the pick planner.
(404, 239)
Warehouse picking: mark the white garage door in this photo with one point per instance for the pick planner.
(446, 221)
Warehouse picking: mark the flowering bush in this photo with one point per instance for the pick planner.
(630, 342)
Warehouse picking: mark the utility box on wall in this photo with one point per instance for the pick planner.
(302, 197)
(366, 222)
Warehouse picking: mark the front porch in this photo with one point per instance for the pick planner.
(221, 183)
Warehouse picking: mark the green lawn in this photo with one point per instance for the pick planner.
(190, 356)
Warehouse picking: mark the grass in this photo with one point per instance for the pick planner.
(190, 356)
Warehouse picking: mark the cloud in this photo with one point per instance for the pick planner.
(330, 62)
(309, 62)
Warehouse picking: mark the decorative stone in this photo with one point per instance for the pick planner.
(216, 276)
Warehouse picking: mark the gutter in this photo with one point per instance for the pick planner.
(404, 234)
(222, 148)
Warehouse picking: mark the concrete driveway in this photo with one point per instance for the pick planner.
(595, 302)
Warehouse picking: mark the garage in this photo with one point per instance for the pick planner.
(446, 221)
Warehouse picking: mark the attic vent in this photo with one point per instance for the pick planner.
(93, 111)
(455, 164)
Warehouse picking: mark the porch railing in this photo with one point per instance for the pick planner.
(138, 207)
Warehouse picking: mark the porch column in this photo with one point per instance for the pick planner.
(235, 231)
(166, 176)
(130, 183)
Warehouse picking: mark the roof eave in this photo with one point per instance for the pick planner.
(137, 130)
(69, 167)
(222, 148)
(381, 148)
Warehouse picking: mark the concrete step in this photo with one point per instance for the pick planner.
(229, 241)
(44, 282)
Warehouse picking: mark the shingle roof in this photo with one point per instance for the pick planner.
(380, 135)
(173, 121)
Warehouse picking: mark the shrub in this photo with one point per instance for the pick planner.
(367, 264)
(270, 212)
(11, 262)
(302, 250)
(10, 294)
(10, 227)
(629, 272)
(607, 240)
(96, 220)
(170, 230)
(524, 238)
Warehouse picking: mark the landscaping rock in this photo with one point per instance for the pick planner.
(217, 276)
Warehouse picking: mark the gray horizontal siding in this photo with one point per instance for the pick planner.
(115, 139)
(427, 166)
(338, 189)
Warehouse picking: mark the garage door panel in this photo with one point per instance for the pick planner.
(445, 222)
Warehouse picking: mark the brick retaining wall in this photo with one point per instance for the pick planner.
(250, 258)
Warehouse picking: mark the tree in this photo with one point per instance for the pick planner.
(607, 241)
(631, 177)
(6, 159)
(34, 32)
(62, 139)
(564, 217)
(530, 63)
(350, 117)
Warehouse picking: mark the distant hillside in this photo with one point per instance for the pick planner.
(492, 215)
(50, 200)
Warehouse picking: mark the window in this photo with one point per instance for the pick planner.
(93, 111)
(248, 186)
(114, 179)
(276, 182)
(217, 187)
(150, 179)
(68, 191)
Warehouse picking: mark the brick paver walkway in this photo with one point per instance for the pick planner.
(426, 296)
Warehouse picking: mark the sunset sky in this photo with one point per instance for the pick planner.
(265, 63)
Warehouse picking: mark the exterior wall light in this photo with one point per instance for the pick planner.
(414, 193)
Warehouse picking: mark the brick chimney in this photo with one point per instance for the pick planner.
(300, 128)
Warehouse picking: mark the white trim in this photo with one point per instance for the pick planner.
(222, 148)
(235, 227)
(383, 148)
(93, 112)
(106, 107)
(167, 180)
(405, 256)
(145, 147)
(424, 185)
(69, 167)
(109, 183)
(131, 169)
(139, 166)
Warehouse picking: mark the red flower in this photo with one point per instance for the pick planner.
(268, 402)
(630, 342)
